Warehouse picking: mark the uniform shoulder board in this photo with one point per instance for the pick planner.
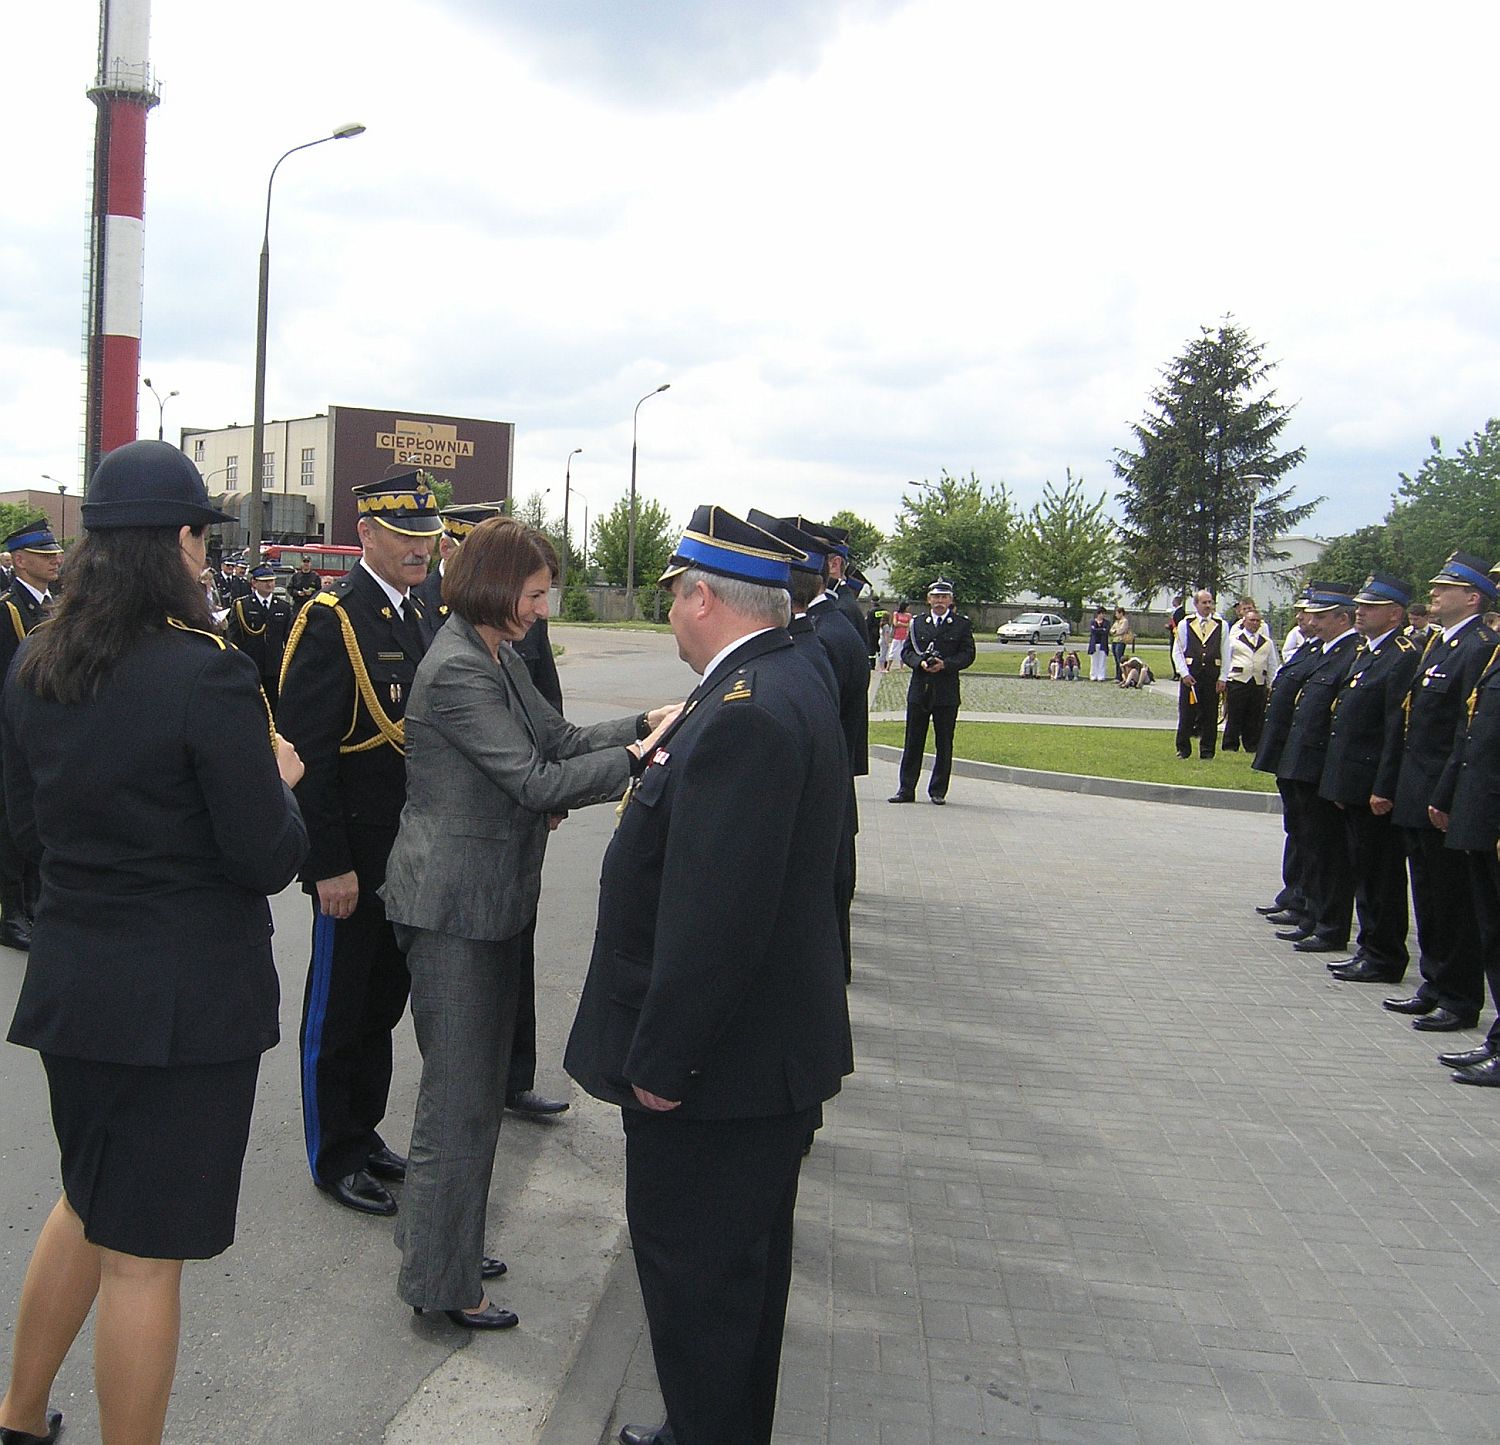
(328, 599)
(213, 637)
(1404, 643)
(740, 691)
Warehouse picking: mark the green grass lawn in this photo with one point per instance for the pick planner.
(1138, 754)
(1006, 661)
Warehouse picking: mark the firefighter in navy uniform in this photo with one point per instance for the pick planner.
(938, 647)
(349, 666)
(1452, 989)
(259, 626)
(1363, 758)
(36, 558)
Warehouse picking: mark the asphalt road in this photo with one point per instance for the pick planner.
(296, 1333)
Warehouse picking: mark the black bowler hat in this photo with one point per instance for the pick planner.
(1463, 569)
(458, 522)
(717, 541)
(400, 501)
(813, 549)
(147, 484)
(1382, 587)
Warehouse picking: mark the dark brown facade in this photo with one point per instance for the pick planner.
(476, 456)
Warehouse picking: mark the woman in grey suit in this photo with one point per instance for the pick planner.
(489, 764)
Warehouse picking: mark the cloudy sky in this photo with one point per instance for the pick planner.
(863, 240)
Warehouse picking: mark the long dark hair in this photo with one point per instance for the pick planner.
(122, 583)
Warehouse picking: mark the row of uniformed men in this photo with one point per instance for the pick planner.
(1386, 751)
(349, 663)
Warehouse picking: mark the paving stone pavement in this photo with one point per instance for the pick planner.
(1116, 1165)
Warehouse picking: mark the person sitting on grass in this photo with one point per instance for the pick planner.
(1055, 667)
(1072, 667)
(1135, 673)
(1028, 665)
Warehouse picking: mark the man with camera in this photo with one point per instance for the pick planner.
(938, 647)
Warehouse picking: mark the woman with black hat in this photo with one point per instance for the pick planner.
(141, 768)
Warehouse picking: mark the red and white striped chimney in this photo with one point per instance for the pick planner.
(123, 93)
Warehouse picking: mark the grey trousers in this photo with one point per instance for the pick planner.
(463, 1004)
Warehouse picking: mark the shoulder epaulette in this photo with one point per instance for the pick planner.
(1404, 643)
(213, 637)
(16, 620)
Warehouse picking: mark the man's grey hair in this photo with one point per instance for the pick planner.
(767, 606)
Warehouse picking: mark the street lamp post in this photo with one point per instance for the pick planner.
(1258, 478)
(630, 524)
(161, 407)
(258, 430)
(567, 535)
(62, 504)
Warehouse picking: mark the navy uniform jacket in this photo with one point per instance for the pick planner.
(1436, 713)
(535, 649)
(161, 824)
(955, 645)
(1469, 790)
(1278, 720)
(851, 671)
(301, 588)
(805, 639)
(846, 599)
(1307, 733)
(260, 630)
(1364, 741)
(19, 613)
(717, 976)
(348, 673)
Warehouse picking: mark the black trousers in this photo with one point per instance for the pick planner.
(1244, 714)
(1484, 889)
(843, 880)
(522, 1073)
(1293, 894)
(919, 713)
(1198, 715)
(1447, 934)
(357, 985)
(1327, 874)
(1379, 863)
(710, 1204)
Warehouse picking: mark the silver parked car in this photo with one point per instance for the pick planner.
(1034, 627)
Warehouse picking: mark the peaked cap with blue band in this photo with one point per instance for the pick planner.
(400, 501)
(1463, 569)
(813, 549)
(1325, 596)
(261, 573)
(458, 522)
(835, 540)
(719, 542)
(33, 537)
(1382, 587)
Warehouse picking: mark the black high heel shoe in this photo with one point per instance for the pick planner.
(25, 1437)
(491, 1317)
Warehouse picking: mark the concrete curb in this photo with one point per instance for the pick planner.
(1231, 799)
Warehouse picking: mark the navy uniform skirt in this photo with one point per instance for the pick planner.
(151, 1157)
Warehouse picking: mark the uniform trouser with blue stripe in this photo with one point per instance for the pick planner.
(356, 992)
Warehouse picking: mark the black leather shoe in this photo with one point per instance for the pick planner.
(1267, 909)
(1184, 756)
(25, 1437)
(491, 1317)
(1416, 1004)
(939, 801)
(1284, 917)
(1320, 945)
(648, 1434)
(16, 933)
(528, 1101)
(1443, 1021)
(894, 798)
(1293, 935)
(385, 1163)
(1467, 1058)
(361, 1191)
(1366, 972)
(1486, 1073)
(491, 1268)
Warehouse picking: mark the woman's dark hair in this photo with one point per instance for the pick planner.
(483, 580)
(121, 584)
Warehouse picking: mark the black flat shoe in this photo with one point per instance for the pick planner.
(490, 1268)
(648, 1434)
(1416, 1004)
(1284, 917)
(539, 1106)
(1487, 1072)
(1365, 973)
(1443, 1021)
(1320, 945)
(491, 1317)
(24, 1437)
(385, 1163)
(1266, 909)
(16, 933)
(361, 1191)
(1293, 935)
(937, 800)
(1467, 1059)
(894, 798)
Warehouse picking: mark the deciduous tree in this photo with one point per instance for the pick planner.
(865, 539)
(1067, 548)
(655, 536)
(958, 529)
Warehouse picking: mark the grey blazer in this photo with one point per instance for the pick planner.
(487, 759)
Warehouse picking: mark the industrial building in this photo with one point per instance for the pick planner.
(309, 463)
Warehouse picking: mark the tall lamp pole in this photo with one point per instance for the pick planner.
(161, 407)
(567, 535)
(258, 430)
(1259, 478)
(630, 526)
